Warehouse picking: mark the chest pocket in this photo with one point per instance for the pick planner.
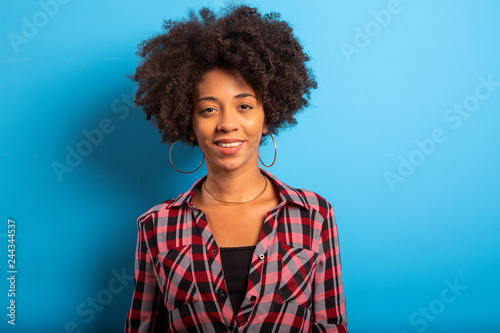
(175, 277)
(297, 271)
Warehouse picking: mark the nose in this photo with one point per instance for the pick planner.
(228, 121)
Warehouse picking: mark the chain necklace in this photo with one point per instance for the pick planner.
(234, 202)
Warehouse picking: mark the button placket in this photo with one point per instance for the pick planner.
(222, 294)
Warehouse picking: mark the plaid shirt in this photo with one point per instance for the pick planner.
(294, 281)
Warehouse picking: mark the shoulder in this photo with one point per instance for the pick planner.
(169, 208)
(309, 210)
(312, 201)
(303, 198)
(155, 211)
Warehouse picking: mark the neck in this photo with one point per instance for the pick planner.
(239, 185)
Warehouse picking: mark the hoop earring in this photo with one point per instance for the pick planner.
(275, 151)
(172, 164)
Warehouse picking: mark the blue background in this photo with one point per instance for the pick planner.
(415, 216)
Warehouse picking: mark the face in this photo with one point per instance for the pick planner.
(228, 121)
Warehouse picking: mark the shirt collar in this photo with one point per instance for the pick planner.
(288, 194)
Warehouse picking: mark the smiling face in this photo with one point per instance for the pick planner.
(228, 121)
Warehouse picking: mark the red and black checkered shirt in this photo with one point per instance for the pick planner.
(294, 282)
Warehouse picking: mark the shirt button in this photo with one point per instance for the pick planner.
(262, 256)
(222, 293)
(214, 252)
(253, 298)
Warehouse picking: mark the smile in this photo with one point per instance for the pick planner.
(229, 145)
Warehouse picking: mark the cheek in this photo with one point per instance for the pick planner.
(200, 131)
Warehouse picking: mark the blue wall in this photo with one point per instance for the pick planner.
(401, 137)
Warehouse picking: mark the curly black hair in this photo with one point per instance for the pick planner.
(262, 48)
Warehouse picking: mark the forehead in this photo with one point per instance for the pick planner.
(222, 81)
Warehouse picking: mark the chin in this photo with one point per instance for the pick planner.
(230, 166)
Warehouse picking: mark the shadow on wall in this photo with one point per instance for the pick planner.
(121, 157)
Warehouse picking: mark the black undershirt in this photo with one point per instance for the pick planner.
(235, 264)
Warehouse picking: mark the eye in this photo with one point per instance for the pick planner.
(246, 107)
(207, 110)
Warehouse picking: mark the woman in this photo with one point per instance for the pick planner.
(240, 251)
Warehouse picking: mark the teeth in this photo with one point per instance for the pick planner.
(229, 145)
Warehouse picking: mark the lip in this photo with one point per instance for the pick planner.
(228, 140)
(229, 150)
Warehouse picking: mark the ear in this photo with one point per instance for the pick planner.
(265, 129)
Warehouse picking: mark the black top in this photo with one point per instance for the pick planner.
(235, 264)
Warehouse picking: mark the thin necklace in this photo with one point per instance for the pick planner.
(234, 202)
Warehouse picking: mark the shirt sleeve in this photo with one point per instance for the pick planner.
(147, 312)
(329, 311)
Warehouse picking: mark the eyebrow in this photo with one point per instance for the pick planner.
(210, 98)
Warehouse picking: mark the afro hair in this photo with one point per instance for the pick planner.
(262, 48)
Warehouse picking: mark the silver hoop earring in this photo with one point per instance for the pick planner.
(172, 164)
(275, 151)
